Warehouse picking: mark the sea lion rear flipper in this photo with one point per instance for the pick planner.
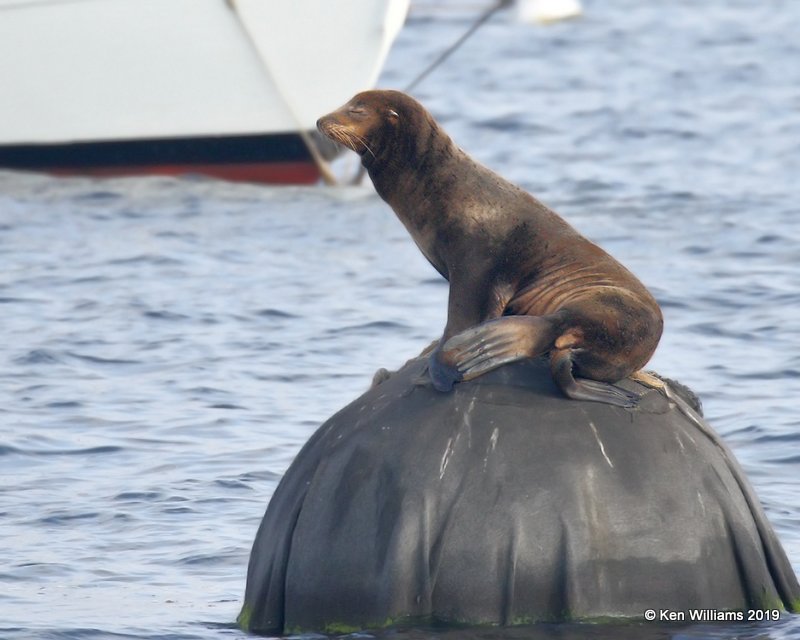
(442, 374)
(585, 389)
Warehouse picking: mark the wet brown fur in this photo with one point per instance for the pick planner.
(503, 252)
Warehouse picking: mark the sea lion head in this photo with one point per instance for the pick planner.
(378, 125)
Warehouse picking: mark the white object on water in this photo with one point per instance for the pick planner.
(546, 11)
(220, 87)
(91, 71)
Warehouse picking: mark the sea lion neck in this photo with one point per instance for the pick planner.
(415, 163)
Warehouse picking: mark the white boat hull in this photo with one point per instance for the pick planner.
(78, 73)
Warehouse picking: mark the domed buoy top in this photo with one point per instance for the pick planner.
(502, 502)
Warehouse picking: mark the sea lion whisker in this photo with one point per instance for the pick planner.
(345, 136)
(339, 135)
(364, 142)
(333, 132)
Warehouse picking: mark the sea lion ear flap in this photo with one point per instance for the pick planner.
(393, 115)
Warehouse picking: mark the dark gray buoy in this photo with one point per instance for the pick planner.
(505, 503)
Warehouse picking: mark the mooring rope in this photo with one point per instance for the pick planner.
(500, 4)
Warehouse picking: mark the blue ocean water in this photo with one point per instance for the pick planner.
(170, 344)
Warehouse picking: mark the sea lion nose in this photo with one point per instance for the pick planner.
(324, 121)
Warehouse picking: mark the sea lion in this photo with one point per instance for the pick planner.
(523, 282)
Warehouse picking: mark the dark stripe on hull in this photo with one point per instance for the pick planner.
(278, 158)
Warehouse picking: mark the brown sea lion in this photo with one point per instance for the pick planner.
(523, 282)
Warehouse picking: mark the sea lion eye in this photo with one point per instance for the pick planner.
(356, 110)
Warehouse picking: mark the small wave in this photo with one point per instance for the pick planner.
(233, 484)
(605, 111)
(592, 185)
(438, 282)
(782, 374)
(13, 300)
(6, 450)
(86, 633)
(207, 390)
(283, 377)
(379, 325)
(138, 496)
(179, 510)
(669, 303)
(99, 360)
(275, 313)
(97, 196)
(145, 259)
(10, 577)
(787, 460)
(260, 476)
(513, 123)
(778, 437)
(695, 250)
(717, 329)
(643, 133)
(65, 404)
(90, 451)
(165, 315)
(96, 279)
(45, 568)
(39, 356)
(221, 558)
(63, 518)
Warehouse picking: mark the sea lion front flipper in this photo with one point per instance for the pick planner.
(585, 389)
(497, 342)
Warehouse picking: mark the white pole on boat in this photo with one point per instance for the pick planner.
(322, 164)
